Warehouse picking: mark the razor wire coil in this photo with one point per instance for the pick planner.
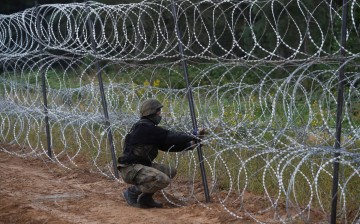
(264, 78)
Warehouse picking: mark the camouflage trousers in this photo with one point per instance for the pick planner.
(148, 179)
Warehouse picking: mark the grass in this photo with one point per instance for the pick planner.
(247, 122)
(238, 168)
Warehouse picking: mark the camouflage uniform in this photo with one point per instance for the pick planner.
(141, 148)
(148, 179)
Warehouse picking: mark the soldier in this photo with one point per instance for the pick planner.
(141, 147)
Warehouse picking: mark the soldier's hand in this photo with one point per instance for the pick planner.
(201, 133)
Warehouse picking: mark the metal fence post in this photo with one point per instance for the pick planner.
(340, 102)
(102, 93)
(43, 83)
(190, 99)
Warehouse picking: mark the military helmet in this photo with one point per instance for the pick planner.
(149, 106)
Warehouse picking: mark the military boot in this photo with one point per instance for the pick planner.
(146, 200)
(131, 196)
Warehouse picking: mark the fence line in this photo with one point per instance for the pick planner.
(263, 76)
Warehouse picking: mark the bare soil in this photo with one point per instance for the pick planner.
(38, 190)
(35, 190)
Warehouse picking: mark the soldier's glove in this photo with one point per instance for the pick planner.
(199, 136)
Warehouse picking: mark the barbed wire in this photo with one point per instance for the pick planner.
(264, 81)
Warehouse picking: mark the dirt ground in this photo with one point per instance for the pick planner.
(40, 191)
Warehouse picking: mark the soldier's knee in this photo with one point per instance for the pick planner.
(163, 181)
